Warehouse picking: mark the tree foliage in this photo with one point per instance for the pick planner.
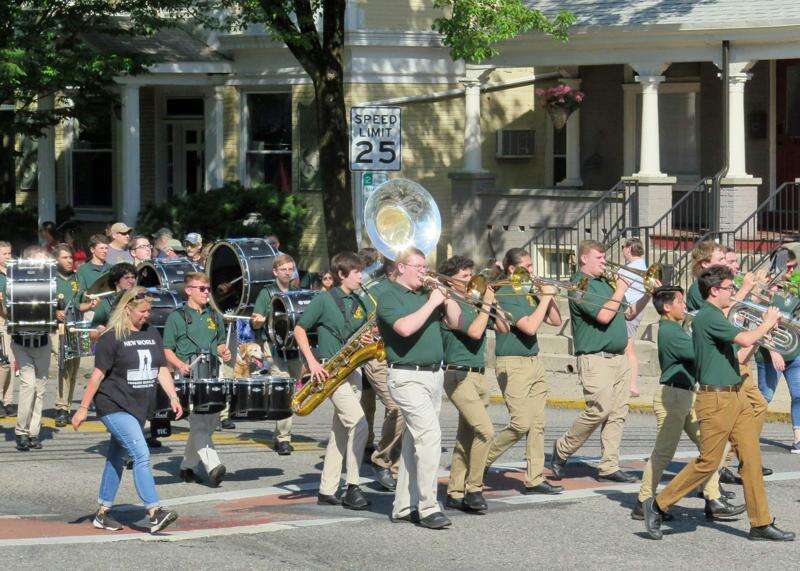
(472, 28)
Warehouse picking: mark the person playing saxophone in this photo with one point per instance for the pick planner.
(335, 315)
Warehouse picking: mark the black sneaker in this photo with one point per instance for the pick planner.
(34, 443)
(62, 418)
(104, 521)
(3, 411)
(11, 409)
(227, 424)
(161, 519)
(23, 443)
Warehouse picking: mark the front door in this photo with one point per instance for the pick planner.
(787, 159)
(185, 162)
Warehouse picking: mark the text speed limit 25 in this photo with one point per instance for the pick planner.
(375, 139)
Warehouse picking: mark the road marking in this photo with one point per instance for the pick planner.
(177, 535)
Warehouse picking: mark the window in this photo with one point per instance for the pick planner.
(559, 154)
(269, 139)
(92, 171)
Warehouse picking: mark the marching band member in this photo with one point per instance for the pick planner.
(408, 319)
(335, 316)
(600, 337)
(129, 360)
(673, 405)
(121, 277)
(466, 387)
(141, 250)
(96, 266)
(723, 411)
(704, 255)
(191, 329)
(66, 290)
(521, 375)
(284, 362)
(6, 368)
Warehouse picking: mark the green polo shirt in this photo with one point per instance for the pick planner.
(460, 348)
(423, 347)
(694, 300)
(516, 343)
(88, 273)
(715, 353)
(66, 289)
(588, 335)
(333, 327)
(787, 303)
(104, 309)
(675, 355)
(188, 332)
(3, 283)
(263, 306)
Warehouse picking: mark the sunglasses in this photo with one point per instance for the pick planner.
(202, 289)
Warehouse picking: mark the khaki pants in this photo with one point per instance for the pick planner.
(6, 371)
(199, 445)
(522, 382)
(387, 454)
(418, 394)
(66, 377)
(753, 395)
(348, 436)
(470, 395)
(286, 367)
(606, 389)
(368, 405)
(34, 363)
(674, 410)
(724, 416)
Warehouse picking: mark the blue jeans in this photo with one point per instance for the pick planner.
(768, 382)
(127, 436)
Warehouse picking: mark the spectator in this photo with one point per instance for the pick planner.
(141, 250)
(69, 237)
(160, 241)
(326, 281)
(194, 246)
(633, 252)
(48, 236)
(175, 249)
(118, 248)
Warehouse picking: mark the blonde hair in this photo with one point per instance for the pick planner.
(702, 255)
(120, 321)
(405, 255)
(590, 245)
(281, 259)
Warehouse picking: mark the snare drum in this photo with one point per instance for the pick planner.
(76, 340)
(163, 409)
(31, 296)
(281, 391)
(209, 395)
(287, 307)
(238, 269)
(250, 398)
(165, 274)
(164, 303)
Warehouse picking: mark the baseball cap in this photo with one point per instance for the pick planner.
(162, 232)
(120, 228)
(176, 246)
(193, 239)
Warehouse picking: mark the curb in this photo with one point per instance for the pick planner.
(640, 408)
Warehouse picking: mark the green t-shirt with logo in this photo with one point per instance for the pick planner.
(66, 289)
(516, 343)
(675, 355)
(425, 346)
(188, 332)
(715, 352)
(589, 335)
(333, 327)
(461, 349)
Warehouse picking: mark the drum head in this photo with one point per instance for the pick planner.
(165, 274)
(163, 303)
(238, 268)
(287, 307)
(31, 296)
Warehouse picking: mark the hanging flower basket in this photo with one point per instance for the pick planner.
(560, 101)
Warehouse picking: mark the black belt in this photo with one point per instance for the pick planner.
(33, 341)
(479, 370)
(603, 354)
(720, 389)
(431, 368)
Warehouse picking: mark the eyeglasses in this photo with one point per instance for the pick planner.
(288, 270)
(729, 288)
(128, 277)
(146, 246)
(202, 289)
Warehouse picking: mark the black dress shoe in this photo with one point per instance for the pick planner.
(727, 494)
(23, 443)
(557, 464)
(3, 411)
(721, 510)
(453, 503)
(354, 498)
(11, 410)
(153, 442)
(62, 418)
(652, 518)
(410, 517)
(767, 471)
(728, 477)
(637, 513)
(770, 533)
(217, 475)
(544, 488)
(618, 476)
(227, 424)
(384, 477)
(284, 448)
(437, 520)
(187, 475)
(34, 443)
(474, 501)
(326, 500)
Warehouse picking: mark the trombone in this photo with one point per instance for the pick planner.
(651, 277)
(523, 282)
(470, 296)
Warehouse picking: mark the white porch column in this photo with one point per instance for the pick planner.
(473, 139)
(46, 168)
(738, 76)
(650, 152)
(131, 199)
(573, 128)
(215, 140)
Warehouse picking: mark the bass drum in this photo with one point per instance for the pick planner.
(164, 303)
(286, 309)
(31, 297)
(238, 268)
(165, 274)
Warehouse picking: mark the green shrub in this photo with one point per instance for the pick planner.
(19, 225)
(229, 212)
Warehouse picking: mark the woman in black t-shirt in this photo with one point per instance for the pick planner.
(129, 359)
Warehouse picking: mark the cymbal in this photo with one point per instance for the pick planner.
(101, 284)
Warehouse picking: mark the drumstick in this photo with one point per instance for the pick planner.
(234, 317)
(82, 330)
(240, 278)
(99, 295)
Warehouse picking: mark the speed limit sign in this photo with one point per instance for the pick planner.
(375, 139)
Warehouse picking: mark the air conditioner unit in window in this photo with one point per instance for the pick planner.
(515, 143)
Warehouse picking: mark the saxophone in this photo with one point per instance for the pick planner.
(352, 355)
